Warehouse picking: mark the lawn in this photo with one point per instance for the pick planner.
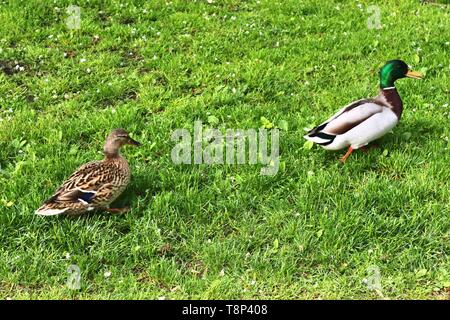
(316, 230)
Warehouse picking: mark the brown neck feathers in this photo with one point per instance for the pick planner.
(111, 150)
(393, 100)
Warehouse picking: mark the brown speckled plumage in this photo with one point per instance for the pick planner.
(95, 185)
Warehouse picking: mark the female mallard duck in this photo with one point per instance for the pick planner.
(365, 120)
(95, 184)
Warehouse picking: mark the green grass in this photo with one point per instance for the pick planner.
(223, 231)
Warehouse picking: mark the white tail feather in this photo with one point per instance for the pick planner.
(50, 212)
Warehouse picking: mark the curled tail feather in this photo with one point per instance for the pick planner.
(317, 136)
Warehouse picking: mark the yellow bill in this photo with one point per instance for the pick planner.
(414, 74)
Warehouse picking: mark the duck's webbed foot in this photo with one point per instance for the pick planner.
(368, 147)
(117, 210)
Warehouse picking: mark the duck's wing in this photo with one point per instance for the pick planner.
(86, 177)
(344, 120)
(78, 190)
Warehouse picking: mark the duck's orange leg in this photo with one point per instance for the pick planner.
(344, 158)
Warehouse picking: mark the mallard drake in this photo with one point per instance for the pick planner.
(365, 120)
(95, 185)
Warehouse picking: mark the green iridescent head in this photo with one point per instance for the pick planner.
(394, 70)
